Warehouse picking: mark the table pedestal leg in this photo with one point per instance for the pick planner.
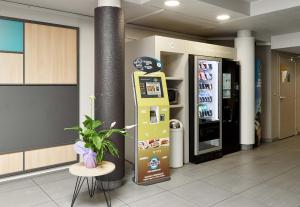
(78, 185)
(106, 192)
(92, 187)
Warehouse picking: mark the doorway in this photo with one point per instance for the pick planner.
(287, 96)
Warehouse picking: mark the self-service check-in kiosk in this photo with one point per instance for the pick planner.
(152, 128)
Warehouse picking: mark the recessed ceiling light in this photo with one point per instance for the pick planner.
(172, 3)
(223, 17)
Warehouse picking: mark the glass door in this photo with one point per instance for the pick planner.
(207, 90)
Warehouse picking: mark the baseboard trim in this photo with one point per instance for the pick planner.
(269, 140)
(247, 147)
(35, 173)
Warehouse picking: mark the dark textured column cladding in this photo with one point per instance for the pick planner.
(109, 76)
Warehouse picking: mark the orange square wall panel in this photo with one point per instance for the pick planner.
(50, 54)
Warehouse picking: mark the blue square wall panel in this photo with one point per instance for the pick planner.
(11, 35)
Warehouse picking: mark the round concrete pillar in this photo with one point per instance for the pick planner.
(245, 47)
(109, 76)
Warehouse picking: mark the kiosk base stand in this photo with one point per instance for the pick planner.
(152, 182)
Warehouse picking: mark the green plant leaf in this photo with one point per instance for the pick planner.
(97, 141)
(111, 147)
(96, 124)
(88, 122)
(87, 145)
(100, 155)
(108, 133)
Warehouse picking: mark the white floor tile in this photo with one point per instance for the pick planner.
(163, 199)
(83, 200)
(62, 188)
(202, 193)
(15, 185)
(231, 182)
(240, 201)
(272, 196)
(177, 180)
(53, 177)
(132, 192)
(196, 172)
(23, 197)
(48, 204)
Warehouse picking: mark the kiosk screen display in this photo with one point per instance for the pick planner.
(151, 87)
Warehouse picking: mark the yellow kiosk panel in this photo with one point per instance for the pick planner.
(152, 131)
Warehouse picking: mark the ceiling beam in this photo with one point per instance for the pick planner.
(268, 6)
(144, 16)
(137, 1)
(285, 40)
(242, 7)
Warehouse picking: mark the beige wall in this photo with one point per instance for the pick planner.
(298, 95)
(270, 91)
(274, 90)
(275, 94)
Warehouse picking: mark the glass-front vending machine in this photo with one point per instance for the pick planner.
(205, 108)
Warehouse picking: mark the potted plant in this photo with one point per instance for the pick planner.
(95, 141)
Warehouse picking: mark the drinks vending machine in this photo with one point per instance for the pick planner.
(205, 86)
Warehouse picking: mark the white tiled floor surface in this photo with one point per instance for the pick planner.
(265, 177)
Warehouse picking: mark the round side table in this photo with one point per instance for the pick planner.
(84, 174)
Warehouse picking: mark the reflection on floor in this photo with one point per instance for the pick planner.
(267, 176)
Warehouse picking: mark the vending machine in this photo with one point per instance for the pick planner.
(230, 106)
(152, 132)
(205, 112)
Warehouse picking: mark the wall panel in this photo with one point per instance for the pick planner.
(11, 68)
(39, 94)
(11, 163)
(49, 156)
(50, 54)
(11, 35)
(34, 117)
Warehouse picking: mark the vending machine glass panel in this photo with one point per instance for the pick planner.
(206, 99)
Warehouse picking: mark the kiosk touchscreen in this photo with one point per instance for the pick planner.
(152, 131)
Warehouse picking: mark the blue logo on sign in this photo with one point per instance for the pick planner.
(154, 163)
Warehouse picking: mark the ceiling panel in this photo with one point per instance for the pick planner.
(175, 22)
(133, 11)
(281, 22)
(196, 9)
(191, 17)
(85, 7)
